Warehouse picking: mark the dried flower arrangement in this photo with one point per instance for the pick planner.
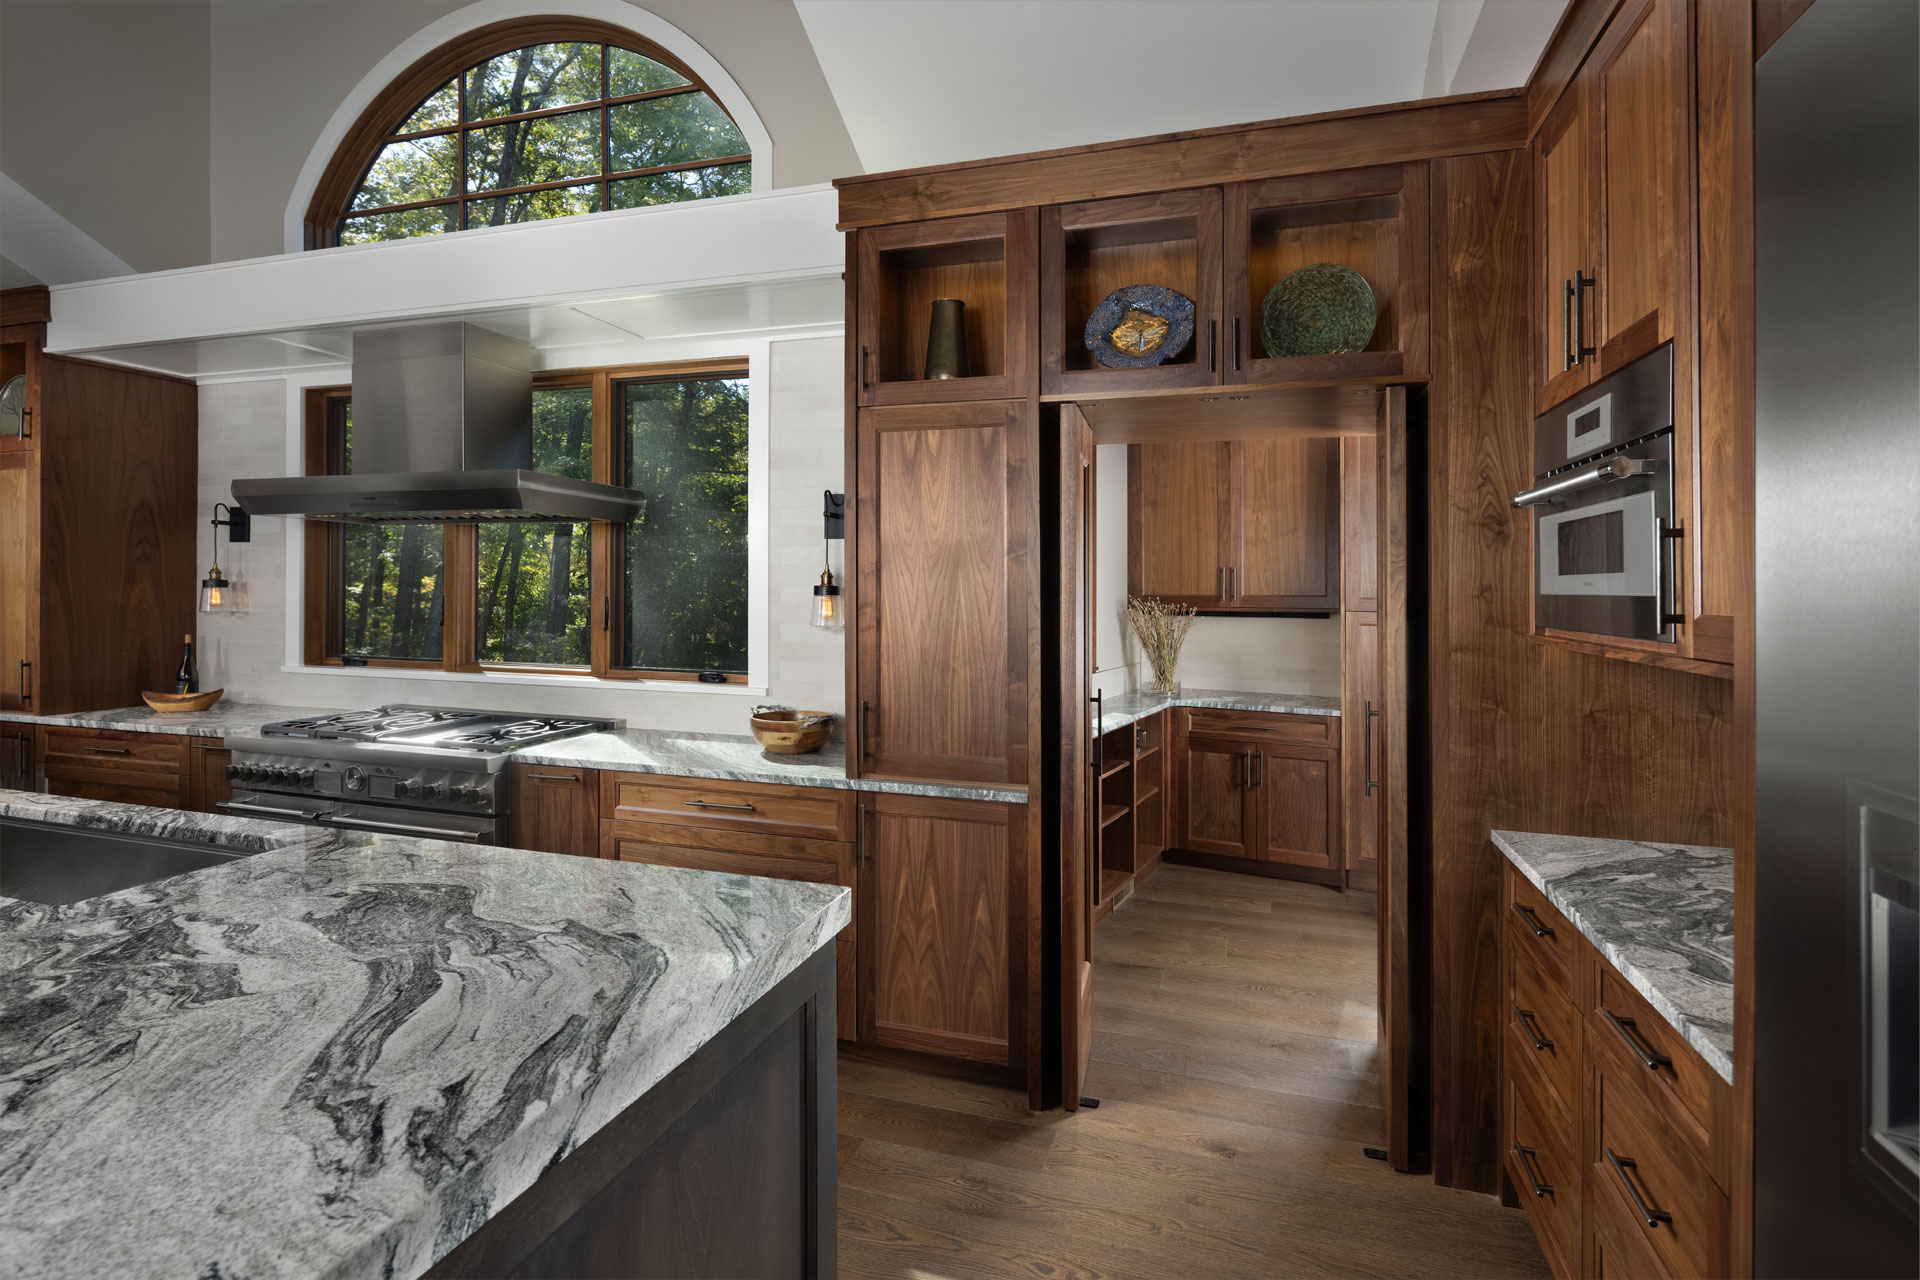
(1162, 629)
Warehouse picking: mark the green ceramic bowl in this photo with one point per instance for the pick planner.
(1320, 310)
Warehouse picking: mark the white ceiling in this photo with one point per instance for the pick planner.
(923, 82)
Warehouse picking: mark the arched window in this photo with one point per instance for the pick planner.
(526, 120)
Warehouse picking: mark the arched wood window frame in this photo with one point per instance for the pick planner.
(400, 99)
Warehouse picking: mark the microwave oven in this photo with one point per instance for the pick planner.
(1602, 503)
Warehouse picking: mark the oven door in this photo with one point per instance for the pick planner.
(379, 819)
(1603, 564)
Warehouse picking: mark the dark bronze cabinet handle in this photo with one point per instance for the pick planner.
(554, 777)
(1525, 1018)
(1581, 283)
(1366, 749)
(715, 804)
(25, 667)
(866, 708)
(1260, 765)
(860, 838)
(1532, 918)
(108, 751)
(1649, 1215)
(1534, 1184)
(864, 382)
(26, 425)
(1213, 356)
(1236, 344)
(1626, 1027)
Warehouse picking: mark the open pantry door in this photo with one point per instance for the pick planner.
(1079, 867)
(1390, 733)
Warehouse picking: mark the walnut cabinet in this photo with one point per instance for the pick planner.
(1258, 786)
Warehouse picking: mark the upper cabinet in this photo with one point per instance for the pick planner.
(1246, 526)
(1371, 220)
(1613, 204)
(985, 263)
(1090, 250)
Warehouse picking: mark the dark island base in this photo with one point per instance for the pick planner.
(725, 1168)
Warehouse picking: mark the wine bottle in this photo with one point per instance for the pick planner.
(187, 680)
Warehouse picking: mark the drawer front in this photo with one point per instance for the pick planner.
(1676, 1080)
(1268, 725)
(1541, 931)
(1674, 1207)
(122, 752)
(1546, 1176)
(809, 812)
(1615, 1247)
(1543, 1030)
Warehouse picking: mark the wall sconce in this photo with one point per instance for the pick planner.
(827, 610)
(216, 593)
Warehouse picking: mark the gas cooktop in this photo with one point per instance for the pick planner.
(436, 728)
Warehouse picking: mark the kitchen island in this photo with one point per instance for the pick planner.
(355, 1054)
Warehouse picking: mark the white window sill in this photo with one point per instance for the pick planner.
(485, 678)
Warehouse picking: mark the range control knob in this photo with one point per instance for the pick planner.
(233, 771)
(406, 790)
(430, 791)
(304, 777)
(355, 778)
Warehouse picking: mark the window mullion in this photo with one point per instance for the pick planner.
(603, 568)
(459, 600)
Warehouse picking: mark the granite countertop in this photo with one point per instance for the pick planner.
(725, 756)
(1662, 914)
(216, 721)
(340, 1056)
(1139, 704)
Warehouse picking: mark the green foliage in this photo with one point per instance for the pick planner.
(675, 129)
(535, 598)
(390, 582)
(687, 554)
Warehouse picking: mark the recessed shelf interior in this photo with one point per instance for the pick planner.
(1098, 260)
(1362, 233)
(973, 271)
(13, 361)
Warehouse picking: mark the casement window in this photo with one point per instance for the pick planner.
(520, 121)
(664, 597)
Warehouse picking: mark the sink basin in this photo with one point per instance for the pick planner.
(40, 862)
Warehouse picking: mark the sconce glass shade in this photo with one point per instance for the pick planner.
(216, 593)
(827, 610)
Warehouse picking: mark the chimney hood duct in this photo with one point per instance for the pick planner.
(442, 434)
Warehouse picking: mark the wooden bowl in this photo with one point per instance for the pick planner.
(792, 733)
(182, 701)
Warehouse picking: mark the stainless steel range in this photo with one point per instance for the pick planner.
(419, 771)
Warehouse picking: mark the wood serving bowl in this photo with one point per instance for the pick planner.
(182, 701)
(792, 733)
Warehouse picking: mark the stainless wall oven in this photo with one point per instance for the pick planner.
(1604, 532)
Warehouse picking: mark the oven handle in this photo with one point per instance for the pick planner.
(1611, 469)
(265, 811)
(396, 828)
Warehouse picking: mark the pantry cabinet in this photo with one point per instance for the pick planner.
(1258, 786)
(1243, 526)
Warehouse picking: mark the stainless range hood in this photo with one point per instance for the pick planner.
(442, 434)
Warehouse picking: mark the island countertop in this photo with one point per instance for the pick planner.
(1662, 914)
(341, 1055)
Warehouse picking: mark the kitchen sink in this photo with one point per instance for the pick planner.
(41, 862)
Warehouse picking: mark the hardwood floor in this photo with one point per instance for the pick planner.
(1233, 1058)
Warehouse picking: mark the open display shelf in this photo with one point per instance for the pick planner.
(1132, 832)
(1370, 220)
(1089, 250)
(985, 262)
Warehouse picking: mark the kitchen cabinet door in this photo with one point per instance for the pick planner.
(208, 786)
(1289, 547)
(1361, 755)
(946, 591)
(1183, 525)
(16, 758)
(1296, 795)
(19, 577)
(1636, 100)
(1215, 806)
(942, 927)
(1360, 524)
(554, 810)
(1563, 280)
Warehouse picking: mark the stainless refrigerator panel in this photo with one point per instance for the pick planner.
(1837, 454)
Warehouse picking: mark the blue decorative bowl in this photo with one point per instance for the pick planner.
(1140, 326)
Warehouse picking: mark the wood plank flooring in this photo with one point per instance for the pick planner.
(1234, 1062)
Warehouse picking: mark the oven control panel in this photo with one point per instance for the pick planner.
(446, 790)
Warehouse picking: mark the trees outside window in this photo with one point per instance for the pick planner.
(663, 597)
(516, 124)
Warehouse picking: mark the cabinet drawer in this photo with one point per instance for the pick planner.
(1644, 1047)
(1267, 725)
(773, 809)
(1543, 1031)
(1539, 930)
(1616, 1249)
(122, 752)
(1649, 1172)
(1546, 1176)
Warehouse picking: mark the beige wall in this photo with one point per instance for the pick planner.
(104, 116)
(280, 71)
(243, 432)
